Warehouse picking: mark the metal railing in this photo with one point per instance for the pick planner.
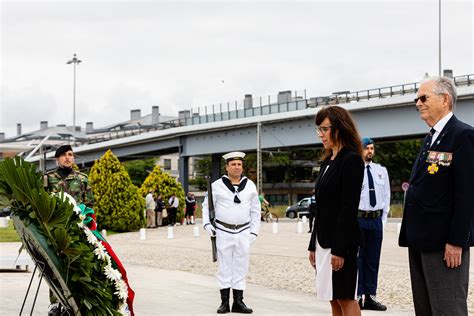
(286, 101)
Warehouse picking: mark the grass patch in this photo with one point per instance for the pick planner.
(396, 211)
(9, 234)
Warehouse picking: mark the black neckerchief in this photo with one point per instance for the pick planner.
(64, 172)
(230, 186)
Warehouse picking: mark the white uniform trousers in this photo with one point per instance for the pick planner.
(233, 252)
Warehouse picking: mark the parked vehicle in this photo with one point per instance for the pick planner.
(299, 209)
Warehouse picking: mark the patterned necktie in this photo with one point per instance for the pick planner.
(427, 144)
(372, 198)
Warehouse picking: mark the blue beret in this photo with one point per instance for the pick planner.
(366, 141)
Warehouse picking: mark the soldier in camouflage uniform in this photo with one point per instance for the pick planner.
(65, 178)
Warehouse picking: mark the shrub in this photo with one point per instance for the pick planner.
(164, 184)
(117, 202)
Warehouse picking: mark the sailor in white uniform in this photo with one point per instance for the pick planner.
(237, 223)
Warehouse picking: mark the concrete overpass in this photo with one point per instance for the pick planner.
(388, 116)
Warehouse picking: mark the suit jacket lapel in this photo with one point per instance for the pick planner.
(443, 133)
(326, 175)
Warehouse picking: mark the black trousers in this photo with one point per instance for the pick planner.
(172, 215)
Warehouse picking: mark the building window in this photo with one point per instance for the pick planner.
(167, 164)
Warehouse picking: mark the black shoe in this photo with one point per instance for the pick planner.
(309, 231)
(238, 306)
(371, 303)
(360, 302)
(224, 308)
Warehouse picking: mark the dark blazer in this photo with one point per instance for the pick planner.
(337, 195)
(439, 205)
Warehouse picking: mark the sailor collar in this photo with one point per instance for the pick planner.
(233, 189)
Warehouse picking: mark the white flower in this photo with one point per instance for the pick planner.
(111, 273)
(108, 259)
(123, 309)
(122, 290)
(100, 251)
(91, 239)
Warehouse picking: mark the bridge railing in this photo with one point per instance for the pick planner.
(285, 101)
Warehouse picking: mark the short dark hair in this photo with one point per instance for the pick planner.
(343, 129)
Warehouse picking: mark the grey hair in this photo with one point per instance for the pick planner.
(444, 85)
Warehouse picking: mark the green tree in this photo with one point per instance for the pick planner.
(139, 169)
(398, 158)
(117, 202)
(164, 184)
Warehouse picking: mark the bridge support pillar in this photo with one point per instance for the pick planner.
(183, 167)
(215, 166)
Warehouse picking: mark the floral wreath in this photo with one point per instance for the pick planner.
(101, 251)
(81, 266)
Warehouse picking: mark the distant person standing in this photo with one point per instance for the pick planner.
(190, 207)
(437, 220)
(173, 203)
(159, 206)
(150, 209)
(312, 212)
(373, 211)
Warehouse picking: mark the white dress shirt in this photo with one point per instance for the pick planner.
(440, 125)
(382, 190)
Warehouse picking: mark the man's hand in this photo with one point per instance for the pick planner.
(253, 238)
(452, 256)
(312, 259)
(337, 262)
(210, 230)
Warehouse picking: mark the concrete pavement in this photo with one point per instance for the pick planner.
(171, 292)
(165, 292)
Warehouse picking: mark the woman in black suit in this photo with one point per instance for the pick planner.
(336, 235)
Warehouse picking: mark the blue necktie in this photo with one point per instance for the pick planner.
(372, 198)
(427, 144)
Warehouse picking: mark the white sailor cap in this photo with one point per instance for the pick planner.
(235, 155)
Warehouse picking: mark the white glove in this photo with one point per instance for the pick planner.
(253, 238)
(210, 230)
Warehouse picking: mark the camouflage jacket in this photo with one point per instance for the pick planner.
(76, 184)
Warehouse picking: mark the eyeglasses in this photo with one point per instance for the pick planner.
(425, 97)
(323, 129)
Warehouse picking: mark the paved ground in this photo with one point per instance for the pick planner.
(175, 276)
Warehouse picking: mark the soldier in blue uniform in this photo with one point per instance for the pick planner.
(373, 210)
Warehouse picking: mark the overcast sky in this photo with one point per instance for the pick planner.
(179, 55)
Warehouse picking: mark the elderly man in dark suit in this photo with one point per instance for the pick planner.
(436, 224)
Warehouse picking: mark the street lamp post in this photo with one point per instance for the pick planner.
(439, 38)
(74, 61)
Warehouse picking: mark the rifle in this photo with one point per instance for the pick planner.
(212, 218)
